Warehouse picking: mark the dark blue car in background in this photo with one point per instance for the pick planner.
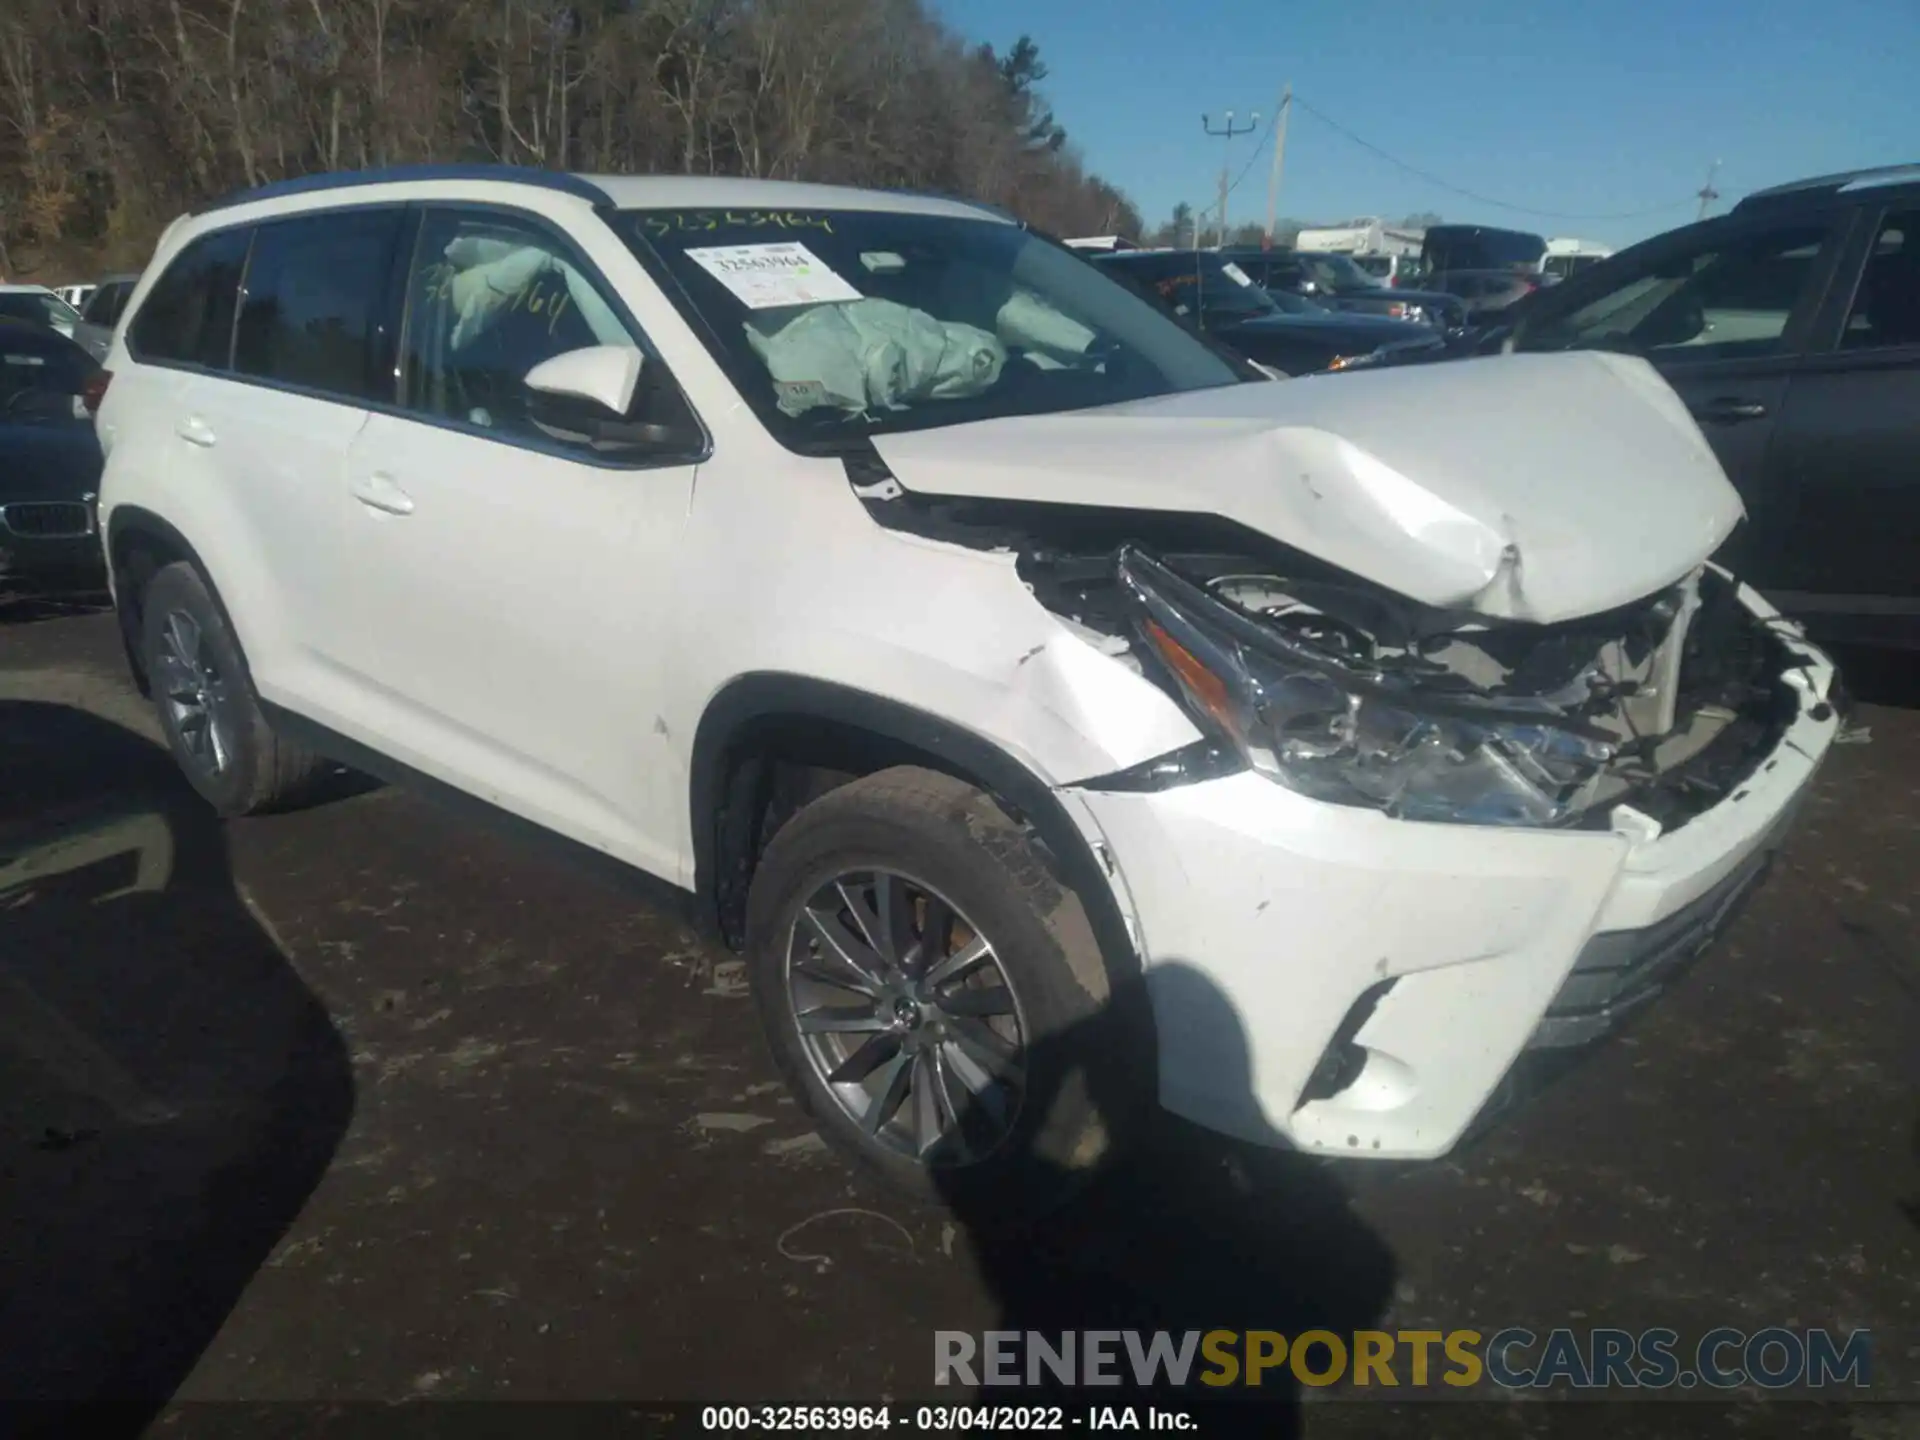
(49, 462)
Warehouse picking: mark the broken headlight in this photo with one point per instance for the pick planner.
(1333, 728)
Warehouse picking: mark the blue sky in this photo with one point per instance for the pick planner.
(1587, 107)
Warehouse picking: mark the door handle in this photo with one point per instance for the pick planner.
(379, 492)
(194, 431)
(1727, 410)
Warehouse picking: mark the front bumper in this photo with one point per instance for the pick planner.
(1331, 979)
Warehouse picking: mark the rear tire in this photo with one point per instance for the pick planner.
(206, 705)
(996, 1084)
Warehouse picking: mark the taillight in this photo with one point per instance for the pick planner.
(95, 390)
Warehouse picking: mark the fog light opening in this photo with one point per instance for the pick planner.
(1342, 1061)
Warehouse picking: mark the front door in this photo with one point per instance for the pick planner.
(505, 619)
(1848, 449)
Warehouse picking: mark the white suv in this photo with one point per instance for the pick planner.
(1055, 718)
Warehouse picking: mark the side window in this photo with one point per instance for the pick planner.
(1886, 307)
(187, 318)
(106, 303)
(489, 298)
(1729, 298)
(310, 314)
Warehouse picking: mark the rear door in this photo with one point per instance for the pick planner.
(310, 342)
(1848, 447)
(1725, 312)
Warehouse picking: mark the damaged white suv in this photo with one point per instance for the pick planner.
(1057, 719)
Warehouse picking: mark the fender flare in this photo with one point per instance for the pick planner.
(127, 521)
(760, 697)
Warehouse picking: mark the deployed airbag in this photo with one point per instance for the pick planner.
(875, 355)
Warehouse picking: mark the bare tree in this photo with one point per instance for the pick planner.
(117, 114)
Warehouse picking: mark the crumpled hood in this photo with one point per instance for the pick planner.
(1526, 487)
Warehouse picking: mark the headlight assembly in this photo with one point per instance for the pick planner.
(1347, 733)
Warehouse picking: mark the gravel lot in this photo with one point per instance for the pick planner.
(359, 1103)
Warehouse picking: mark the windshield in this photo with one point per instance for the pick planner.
(845, 323)
(1477, 247)
(1201, 284)
(1337, 272)
(48, 309)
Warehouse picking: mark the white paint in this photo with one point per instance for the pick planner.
(1418, 478)
(604, 373)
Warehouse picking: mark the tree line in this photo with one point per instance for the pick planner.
(117, 115)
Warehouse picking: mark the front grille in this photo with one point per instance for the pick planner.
(1620, 970)
(48, 519)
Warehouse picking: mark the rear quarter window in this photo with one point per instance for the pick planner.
(187, 317)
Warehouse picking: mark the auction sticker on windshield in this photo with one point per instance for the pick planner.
(1234, 273)
(767, 277)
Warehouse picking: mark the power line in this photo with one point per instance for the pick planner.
(1228, 133)
(1477, 198)
(1258, 151)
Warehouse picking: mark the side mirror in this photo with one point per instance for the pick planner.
(604, 396)
(604, 374)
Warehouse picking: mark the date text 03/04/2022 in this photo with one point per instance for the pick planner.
(959, 1419)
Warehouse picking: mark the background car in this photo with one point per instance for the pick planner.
(74, 295)
(102, 312)
(1287, 332)
(1394, 271)
(49, 461)
(37, 305)
(1338, 283)
(1487, 292)
(1790, 327)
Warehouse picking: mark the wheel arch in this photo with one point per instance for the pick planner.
(837, 729)
(139, 543)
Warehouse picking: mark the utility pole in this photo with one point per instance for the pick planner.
(1279, 154)
(1227, 132)
(1706, 192)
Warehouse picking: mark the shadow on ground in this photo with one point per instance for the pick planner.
(170, 1091)
(1195, 1233)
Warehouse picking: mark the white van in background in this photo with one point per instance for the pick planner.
(1567, 257)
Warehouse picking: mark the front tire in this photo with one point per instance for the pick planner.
(935, 995)
(206, 705)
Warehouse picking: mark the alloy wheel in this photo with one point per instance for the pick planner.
(195, 692)
(907, 1016)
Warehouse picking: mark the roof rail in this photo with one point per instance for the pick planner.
(398, 174)
(1845, 180)
(988, 206)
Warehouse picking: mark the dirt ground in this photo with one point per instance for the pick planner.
(361, 1104)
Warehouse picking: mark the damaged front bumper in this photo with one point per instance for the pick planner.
(1337, 979)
